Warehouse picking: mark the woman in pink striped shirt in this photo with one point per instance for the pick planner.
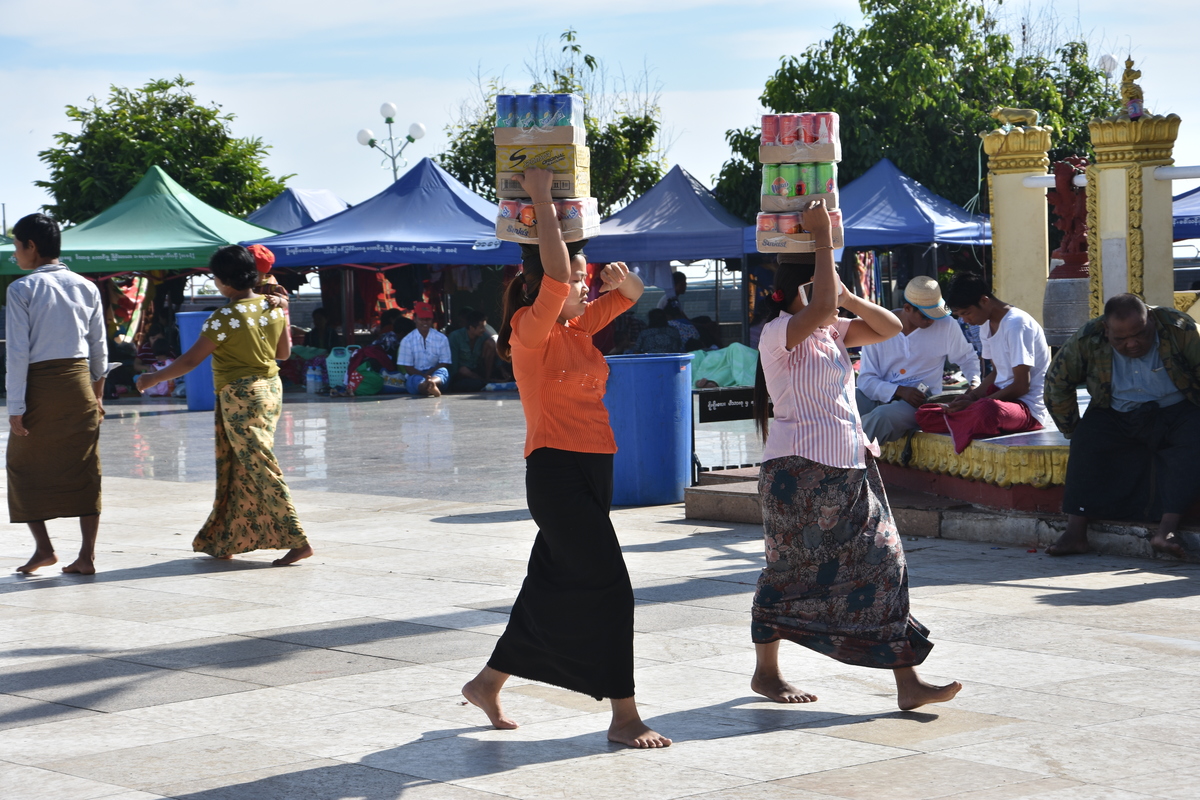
(835, 579)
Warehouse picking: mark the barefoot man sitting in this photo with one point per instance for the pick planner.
(1133, 452)
(57, 357)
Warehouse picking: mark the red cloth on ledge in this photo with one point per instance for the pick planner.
(981, 419)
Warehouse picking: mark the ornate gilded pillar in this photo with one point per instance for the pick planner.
(1129, 212)
(1020, 246)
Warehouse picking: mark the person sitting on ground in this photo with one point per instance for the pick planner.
(387, 338)
(1132, 453)
(626, 329)
(472, 355)
(687, 331)
(679, 288)
(710, 333)
(896, 376)
(1009, 399)
(322, 335)
(145, 353)
(460, 316)
(659, 336)
(425, 355)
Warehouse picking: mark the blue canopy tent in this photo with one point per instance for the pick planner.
(678, 219)
(884, 207)
(426, 217)
(297, 208)
(1186, 210)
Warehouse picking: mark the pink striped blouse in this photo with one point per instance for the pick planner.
(812, 389)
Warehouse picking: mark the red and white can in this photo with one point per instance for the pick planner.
(570, 209)
(510, 209)
(825, 127)
(770, 129)
(835, 218)
(789, 128)
(789, 223)
(807, 131)
(768, 223)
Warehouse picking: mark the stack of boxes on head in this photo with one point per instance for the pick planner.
(546, 131)
(799, 154)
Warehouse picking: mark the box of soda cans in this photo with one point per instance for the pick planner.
(784, 233)
(799, 138)
(571, 164)
(524, 119)
(789, 187)
(578, 217)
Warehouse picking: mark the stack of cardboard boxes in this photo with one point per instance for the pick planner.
(799, 154)
(545, 131)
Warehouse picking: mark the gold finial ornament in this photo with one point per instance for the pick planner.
(1133, 102)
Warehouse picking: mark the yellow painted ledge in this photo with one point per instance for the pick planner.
(1037, 466)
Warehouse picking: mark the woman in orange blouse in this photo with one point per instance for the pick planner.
(572, 623)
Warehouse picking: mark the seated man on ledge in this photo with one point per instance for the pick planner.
(896, 376)
(1133, 453)
(425, 355)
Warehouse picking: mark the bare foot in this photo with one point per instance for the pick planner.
(81, 566)
(774, 687)
(1061, 548)
(38, 561)
(636, 734)
(481, 696)
(1167, 543)
(920, 693)
(294, 555)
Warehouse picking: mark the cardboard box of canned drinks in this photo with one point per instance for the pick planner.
(782, 233)
(578, 217)
(525, 119)
(776, 204)
(799, 138)
(571, 164)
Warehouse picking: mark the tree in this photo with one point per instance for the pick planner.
(622, 120)
(915, 84)
(158, 124)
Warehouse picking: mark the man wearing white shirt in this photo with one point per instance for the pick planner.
(895, 376)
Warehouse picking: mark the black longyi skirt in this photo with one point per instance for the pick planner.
(572, 622)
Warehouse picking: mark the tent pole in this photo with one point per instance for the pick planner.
(745, 300)
(718, 314)
(348, 305)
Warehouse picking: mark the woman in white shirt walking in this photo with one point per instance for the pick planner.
(835, 579)
(57, 357)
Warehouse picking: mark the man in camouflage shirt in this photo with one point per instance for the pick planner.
(1132, 453)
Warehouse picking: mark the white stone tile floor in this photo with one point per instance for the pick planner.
(172, 675)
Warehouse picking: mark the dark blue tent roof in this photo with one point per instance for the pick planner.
(677, 219)
(1186, 210)
(426, 217)
(296, 208)
(886, 207)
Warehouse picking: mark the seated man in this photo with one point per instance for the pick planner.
(425, 355)
(659, 336)
(895, 376)
(1133, 453)
(472, 354)
(1009, 399)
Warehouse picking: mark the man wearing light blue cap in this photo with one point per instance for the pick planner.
(897, 375)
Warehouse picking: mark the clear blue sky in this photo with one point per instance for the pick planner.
(306, 75)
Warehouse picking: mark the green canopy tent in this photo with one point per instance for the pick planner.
(158, 225)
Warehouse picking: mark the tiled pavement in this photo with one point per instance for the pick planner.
(172, 675)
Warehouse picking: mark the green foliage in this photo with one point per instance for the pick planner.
(158, 124)
(916, 84)
(623, 138)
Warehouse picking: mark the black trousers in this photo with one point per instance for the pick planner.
(572, 623)
(1134, 465)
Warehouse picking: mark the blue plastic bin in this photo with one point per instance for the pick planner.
(649, 400)
(199, 382)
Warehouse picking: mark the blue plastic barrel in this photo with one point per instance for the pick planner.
(649, 401)
(199, 382)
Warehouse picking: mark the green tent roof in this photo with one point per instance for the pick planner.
(158, 225)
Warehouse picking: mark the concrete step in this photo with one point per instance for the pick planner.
(923, 515)
(718, 476)
(723, 502)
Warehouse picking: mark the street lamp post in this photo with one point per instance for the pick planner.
(394, 148)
